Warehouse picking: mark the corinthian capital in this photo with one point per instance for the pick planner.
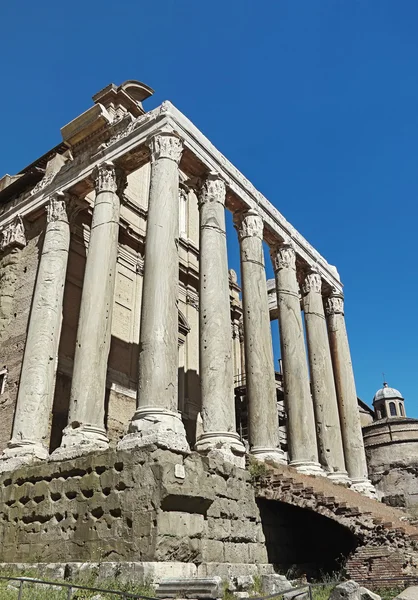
(166, 144)
(13, 235)
(249, 224)
(108, 178)
(213, 190)
(312, 283)
(56, 209)
(283, 256)
(334, 304)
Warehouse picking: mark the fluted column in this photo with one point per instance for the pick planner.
(263, 421)
(301, 435)
(85, 431)
(330, 447)
(157, 419)
(355, 458)
(31, 427)
(216, 370)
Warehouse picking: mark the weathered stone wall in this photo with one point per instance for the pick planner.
(18, 269)
(139, 506)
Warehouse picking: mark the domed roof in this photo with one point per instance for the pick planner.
(386, 392)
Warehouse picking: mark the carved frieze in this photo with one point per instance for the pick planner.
(312, 283)
(13, 235)
(213, 190)
(249, 224)
(108, 178)
(283, 256)
(334, 305)
(166, 144)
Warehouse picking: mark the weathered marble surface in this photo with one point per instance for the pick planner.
(85, 431)
(355, 457)
(302, 442)
(30, 437)
(330, 447)
(216, 375)
(259, 364)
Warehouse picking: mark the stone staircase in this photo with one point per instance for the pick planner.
(373, 523)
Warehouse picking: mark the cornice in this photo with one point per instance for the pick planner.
(137, 134)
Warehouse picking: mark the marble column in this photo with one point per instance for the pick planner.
(263, 421)
(216, 369)
(157, 419)
(330, 446)
(303, 451)
(85, 431)
(355, 458)
(12, 240)
(31, 427)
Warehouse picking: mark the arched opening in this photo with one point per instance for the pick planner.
(382, 412)
(392, 409)
(401, 411)
(304, 541)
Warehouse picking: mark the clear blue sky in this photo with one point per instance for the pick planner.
(315, 101)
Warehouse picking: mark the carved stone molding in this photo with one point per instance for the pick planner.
(166, 144)
(13, 235)
(312, 282)
(192, 299)
(56, 209)
(249, 224)
(108, 178)
(213, 190)
(334, 305)
(283, 256)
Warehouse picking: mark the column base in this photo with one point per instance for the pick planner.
(308, 467)
(80, 439)
(339, 477)
(268, 454)
(156, 426)
(226, 444)
(22, 452)
(365, 487)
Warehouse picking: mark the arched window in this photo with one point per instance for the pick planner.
(401, 409)
(382, 412)
(392, 408)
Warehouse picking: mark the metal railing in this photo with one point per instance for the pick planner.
(69, 588)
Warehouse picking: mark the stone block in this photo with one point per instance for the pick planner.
(274, 584)
(212, 551)
(180, 524)
(236, 553)
(207, 588)
(366, 594)
(348, 590)
(243, 531)
(183, 549)
(218, 529)
(298, 594)
(257, 553)
(244, 583)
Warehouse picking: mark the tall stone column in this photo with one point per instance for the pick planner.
(303, 451)
(216, 369)
(30, 437)
(12, 240)
(157, 419)
(85, 431)
(330, 446)
(355, 458)
(263, 419)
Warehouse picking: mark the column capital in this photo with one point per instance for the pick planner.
(311, 282)
(13, 234)
(249, 224)
(108, 178)
(334, 304)
(283, 256)
(56, 209)
(166, 144)
(213, 190)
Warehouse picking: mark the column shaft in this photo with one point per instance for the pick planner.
(85, 431)
(157, 419)
(301, 434)
(330, 447)
(261, 394)
(216, 369)
(355, 457)
(30, 438)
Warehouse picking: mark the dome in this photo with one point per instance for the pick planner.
(386, 393)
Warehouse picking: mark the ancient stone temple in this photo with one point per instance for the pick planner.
(121, 332)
